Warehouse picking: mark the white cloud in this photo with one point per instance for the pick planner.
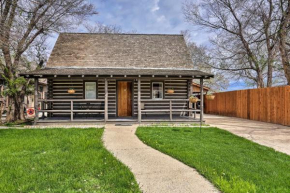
(161, 18)
(155, 6)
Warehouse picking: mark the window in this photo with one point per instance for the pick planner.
(90, 90)
(157, 90)
(40, 88)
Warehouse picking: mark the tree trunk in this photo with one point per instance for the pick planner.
(269, 61)
(260, 81)
(282, 43)
(10, 116)
(22, 116)
(1, 111)
(15, 109)
(270, 74)
(284, 56)
(286, 67)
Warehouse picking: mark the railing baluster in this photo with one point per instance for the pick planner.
(170, 108)
(195, 111)
(71, 110)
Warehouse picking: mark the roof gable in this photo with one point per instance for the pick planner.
(120, 50)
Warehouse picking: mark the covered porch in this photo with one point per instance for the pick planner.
(136, 96)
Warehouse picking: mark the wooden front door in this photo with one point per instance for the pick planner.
(124, 98)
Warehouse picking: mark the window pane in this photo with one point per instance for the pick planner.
(157, 90)
(90, 90)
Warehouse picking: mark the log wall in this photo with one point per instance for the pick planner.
(180, 92)
(270, 105)
(57, 89)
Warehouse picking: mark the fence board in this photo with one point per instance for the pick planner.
(267, 104)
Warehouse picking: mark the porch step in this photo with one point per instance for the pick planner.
(123, 124)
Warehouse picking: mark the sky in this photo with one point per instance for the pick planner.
(149, 17)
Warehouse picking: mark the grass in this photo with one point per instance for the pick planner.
(231, 163)
(60, 160)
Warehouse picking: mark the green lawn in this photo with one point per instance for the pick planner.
(60, 160)
(232, 163)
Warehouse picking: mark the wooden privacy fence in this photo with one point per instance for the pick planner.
(265, 104)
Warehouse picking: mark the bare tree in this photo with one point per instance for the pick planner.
(99, 27)
(201, 61)
(22, 22)
(266, 27)
(245, 36)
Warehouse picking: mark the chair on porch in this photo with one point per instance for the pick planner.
(90, 106)
(86, 106)
(101, 106)
(143, 108)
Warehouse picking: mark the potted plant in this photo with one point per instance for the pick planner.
(170, 91)
(193, 99)
(209, 96)
(71, 91)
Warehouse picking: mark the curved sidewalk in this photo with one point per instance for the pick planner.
(154, 171)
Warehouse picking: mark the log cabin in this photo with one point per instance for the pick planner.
(118, 77)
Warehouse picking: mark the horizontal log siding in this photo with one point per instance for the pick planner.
(111, 94)
(266, 104)
(58, 90)
(180, 92)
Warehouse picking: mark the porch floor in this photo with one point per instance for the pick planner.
(145, 118)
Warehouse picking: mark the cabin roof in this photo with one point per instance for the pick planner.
(120, 50)
(119, 54)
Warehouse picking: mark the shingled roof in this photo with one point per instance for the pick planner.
(119, 54)
(120, 50)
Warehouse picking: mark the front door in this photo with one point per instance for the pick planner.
(124, 98)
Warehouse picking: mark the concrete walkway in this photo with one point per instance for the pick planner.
(154, 171)
(267, 134)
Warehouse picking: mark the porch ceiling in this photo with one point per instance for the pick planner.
(107, 72)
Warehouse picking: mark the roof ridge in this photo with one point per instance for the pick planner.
(136, 68)
(120, 34)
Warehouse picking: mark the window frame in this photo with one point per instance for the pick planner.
(84, 89)
(162, 89)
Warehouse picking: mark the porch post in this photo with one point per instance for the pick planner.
(189, 90)
(201, 100)
(106, 100)
(139, 101)
(36, 100)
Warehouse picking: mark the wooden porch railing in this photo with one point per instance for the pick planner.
(170, 110)
(72, 110)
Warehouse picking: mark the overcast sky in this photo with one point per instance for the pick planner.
(147, 16)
